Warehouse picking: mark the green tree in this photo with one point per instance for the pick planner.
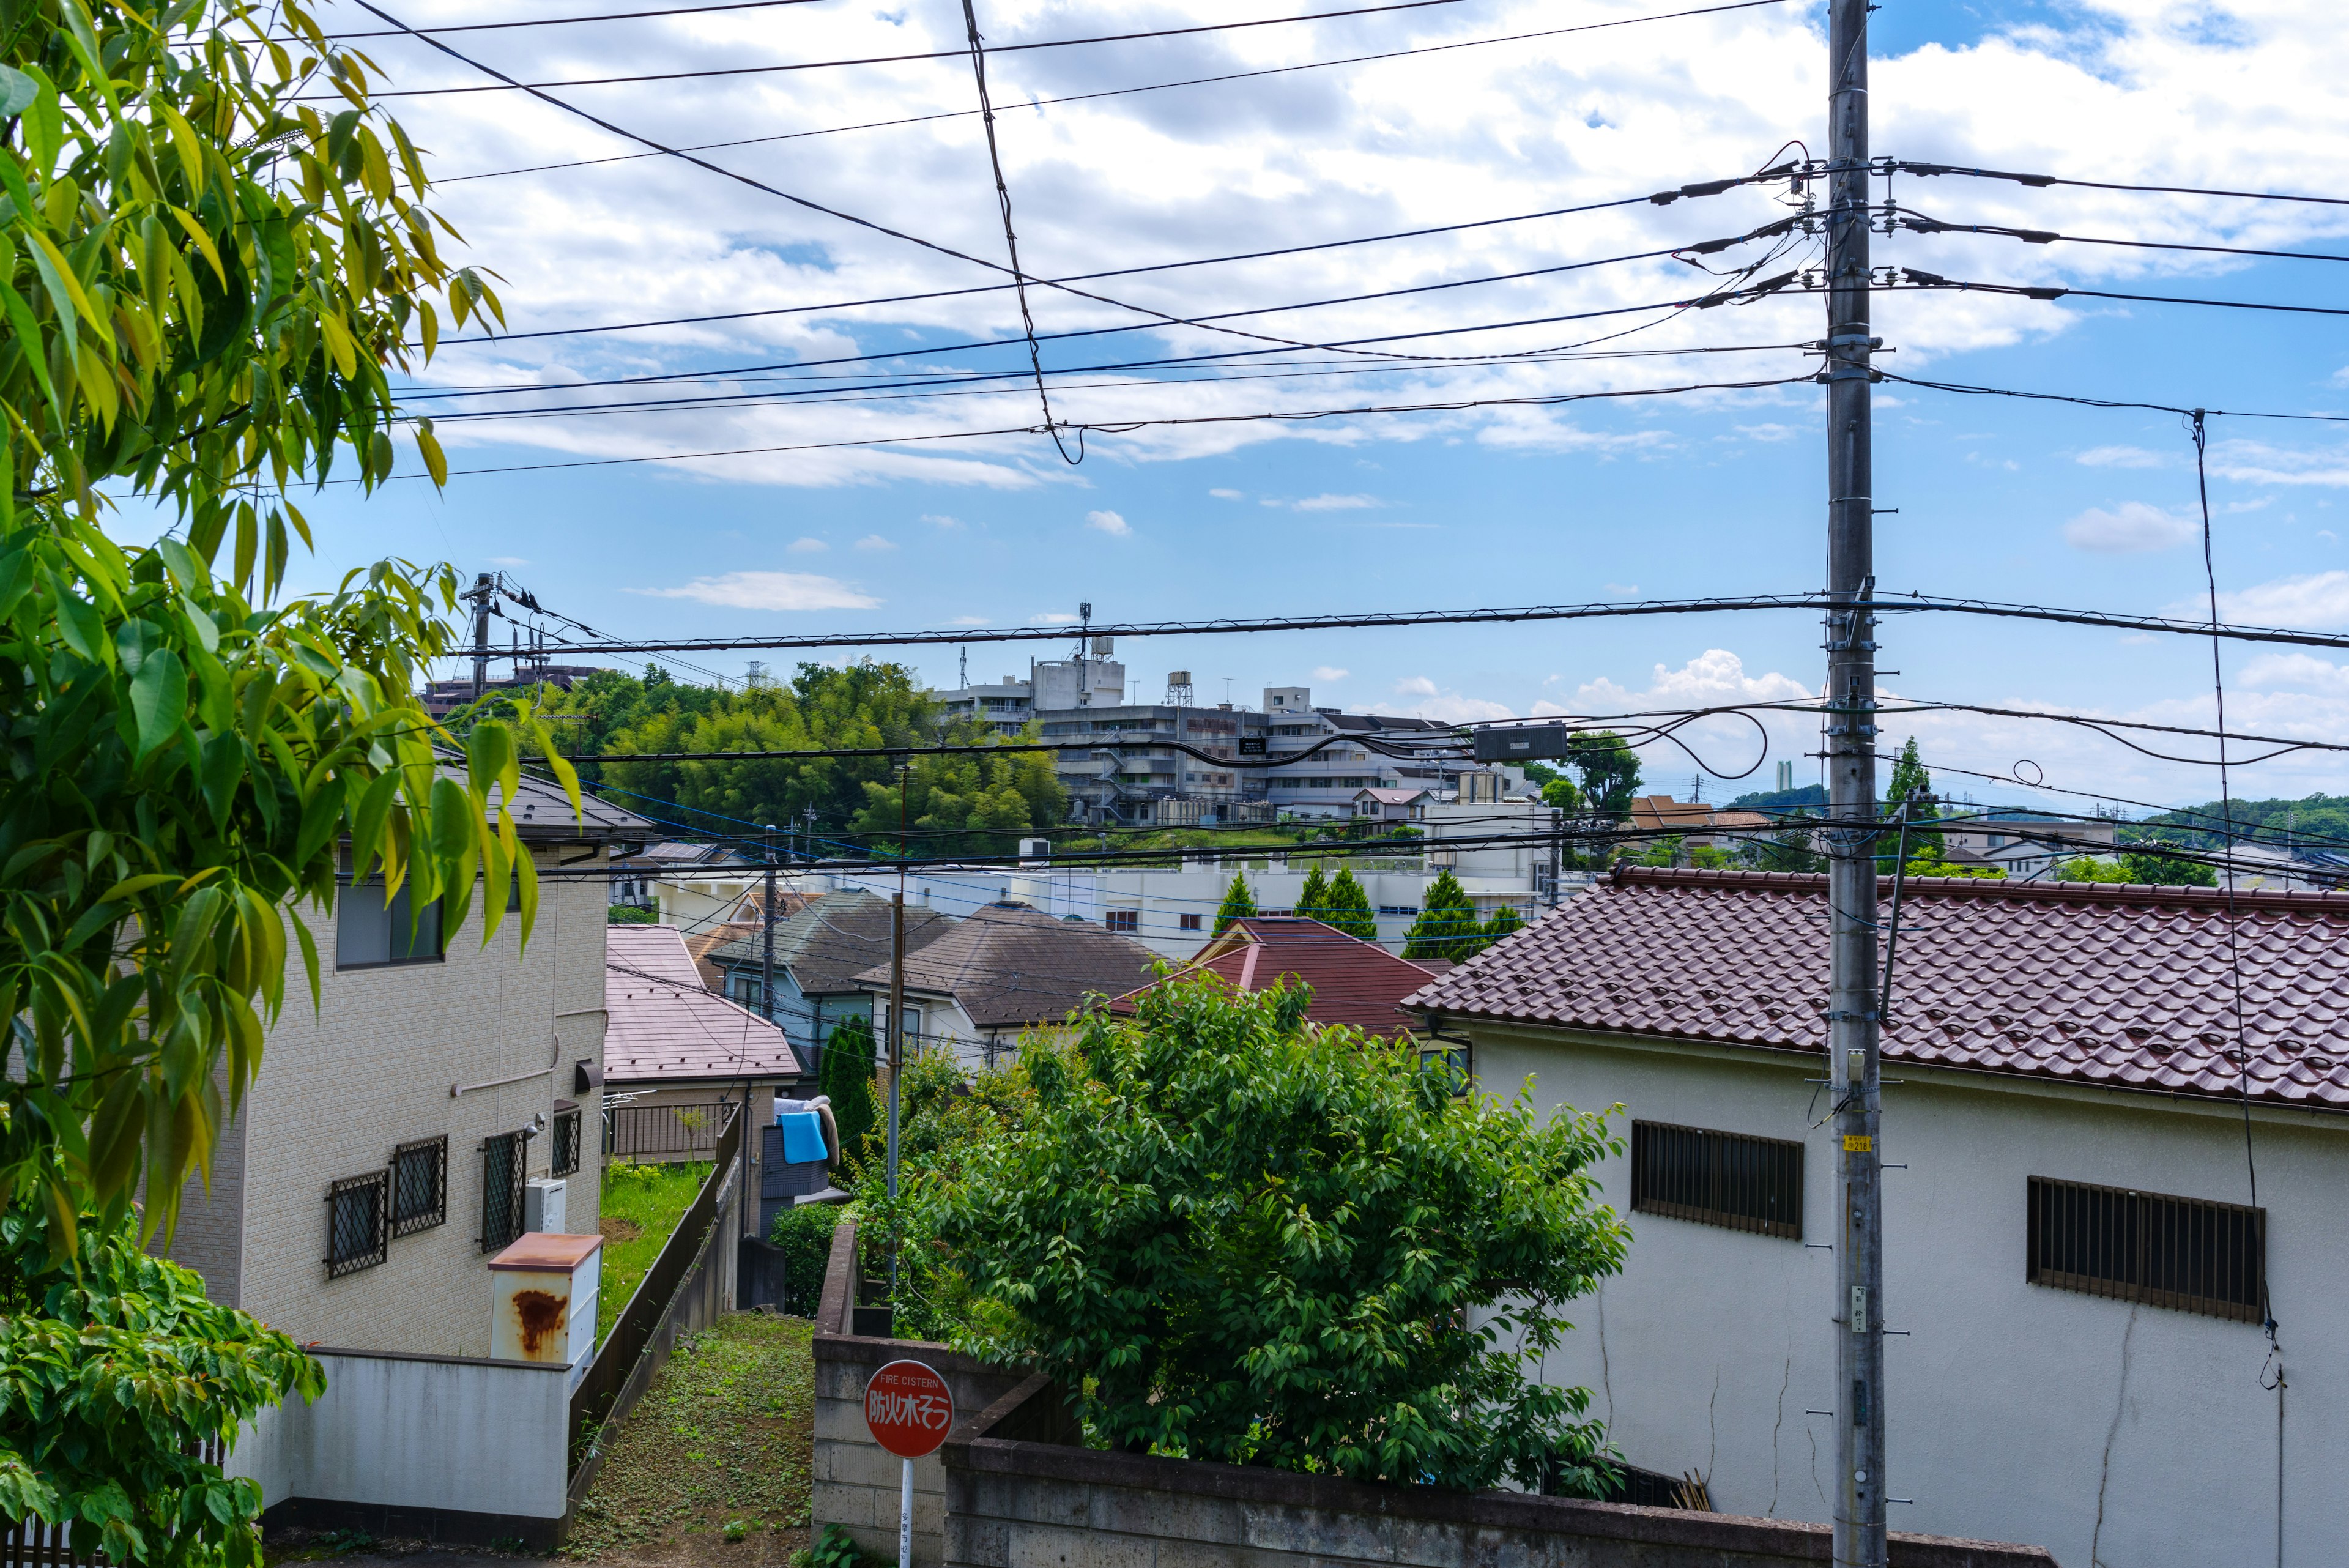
(1447, 927)
(1238, 1239)
(2083, 869)
(1313, 899)
(1562, 794)
(1349, 908)
(1789, 846)
(1506, 923)
(1913, 786)
(1239, 904)
(847, 1075)
(1608, 769)
(2148, 865)
(1929, 861)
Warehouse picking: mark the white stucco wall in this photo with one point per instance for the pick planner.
(2017, 1412)
(411, 1431)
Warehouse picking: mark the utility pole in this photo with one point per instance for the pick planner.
(1853, 1006)
(895, 1056)
(484, 590)
(767, 930)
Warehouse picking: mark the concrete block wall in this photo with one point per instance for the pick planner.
(858, 1483)
(1014, 1502)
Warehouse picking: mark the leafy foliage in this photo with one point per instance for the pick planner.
(1912, 786)
(2276, 822)
(1238, 1237)
(1506, 923)
(845, 1073)
(1789, 848)
(1313, 899)
(118, 1371)
(802, 1233)
(1930, 861)
(1608, 769)
(2148, 867)
(1447, 926)
(1239, 904)
(1349, 907)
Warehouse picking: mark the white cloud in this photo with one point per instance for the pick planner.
(1769, 432)
(1328, 675)
(1416, 686)
(2121, 457)
(1328, 503)
(1052, 618)
(940, 520)
(2328, 535)
(2319, 599)
(507, 561)
(2301, 671)
(768, 591)
(1623, 590)
(806, 546)
(2130, 528)
(968, 620)
(875, 542)
(1109, 523)
(1228, 494)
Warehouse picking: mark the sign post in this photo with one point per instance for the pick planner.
(910, 1410)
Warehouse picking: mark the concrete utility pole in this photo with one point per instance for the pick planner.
(484, 590)
(897, 1023)
(767, 930)
(1853, 1006)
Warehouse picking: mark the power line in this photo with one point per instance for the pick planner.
(1109, 92)
(1920, 224)
(567, 21)
(947, 53)
(2104, 402)
(1907, 167)
(1377, 618)
(1912, 278)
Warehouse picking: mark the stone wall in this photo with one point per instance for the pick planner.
(858, 1482)
(1013, 1501)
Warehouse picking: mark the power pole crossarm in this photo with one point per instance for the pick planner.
(1853, 1008)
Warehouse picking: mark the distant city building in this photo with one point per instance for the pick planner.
(442, 698)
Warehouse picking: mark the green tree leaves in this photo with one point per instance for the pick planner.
(1447, 926)
(1234, 1237)
(1239, 904)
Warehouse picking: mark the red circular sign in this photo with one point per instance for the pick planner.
(910, 1409)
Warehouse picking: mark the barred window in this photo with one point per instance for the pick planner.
(563, 1154)
(2188, 1253)
(419, 1184)
(1718, 1179)
(356, 1232)
(504, 1178)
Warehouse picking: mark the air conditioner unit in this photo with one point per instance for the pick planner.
(1035, 849)
(543, 1204)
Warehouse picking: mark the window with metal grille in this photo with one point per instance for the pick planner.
(563, 1154)
(419, 1184)
(1122, 919)
(2183, 1252)
(1718, 1179)
(357, 1238)
(503, 1179)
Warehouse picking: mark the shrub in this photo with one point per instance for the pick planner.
(846, 1076)
(1233, 1237)
(804, 1235)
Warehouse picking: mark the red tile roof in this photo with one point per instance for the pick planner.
(1353, 982)
(664, 1027)
(2102, 984)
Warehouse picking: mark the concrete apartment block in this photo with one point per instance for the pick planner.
(483, 1039)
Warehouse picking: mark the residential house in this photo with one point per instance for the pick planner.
(748, 921)
(1698, 822)
(680, 1059)
(1391, 807)
(693, 885)
(439, 1099)
(1354, 982)
(2023, 844)
(2078, 1264)
(819, 953)
(1002, 971)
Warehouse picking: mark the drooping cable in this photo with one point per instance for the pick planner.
(1011, 238)
(1907, 167)
(1909, 277)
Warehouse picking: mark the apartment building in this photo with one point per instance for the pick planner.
(443, 1097)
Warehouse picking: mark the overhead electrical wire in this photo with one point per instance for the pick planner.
(1107, 92)
(1918, 223)
(568, 21)
(1906, 166)
(509, 84)
(2102, 402)
(816, 206)
(1910, 277)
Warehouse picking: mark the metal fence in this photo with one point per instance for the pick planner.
(664, 1132)
(689, 1266)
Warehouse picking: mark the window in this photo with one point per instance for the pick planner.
(1192, 922)
(503, 1178)
(1718, 1179)
(369, 933)
(356, 1233)
(1408, 911)
(563, 1154)
(1122, 919)
(2182, 1252)
(419, 1184)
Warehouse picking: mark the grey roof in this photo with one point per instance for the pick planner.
(1353, 722)
(827, 944)
(543, 812)
(1011, 964)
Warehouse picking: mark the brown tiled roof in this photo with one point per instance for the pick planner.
(1008, 965)
(2090, 983)
(833, 938)
(664, 1027)
(1353, 982)
(701, 944)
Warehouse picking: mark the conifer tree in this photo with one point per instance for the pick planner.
(1349, 908)
(1447, 927)
(1239, 904)
(1313, 902)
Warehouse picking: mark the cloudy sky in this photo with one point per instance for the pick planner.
(862, 518)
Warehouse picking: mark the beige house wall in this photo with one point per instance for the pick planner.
(372, 1067)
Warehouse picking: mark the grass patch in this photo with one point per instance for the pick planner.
(719, 1450)
(642, 1204)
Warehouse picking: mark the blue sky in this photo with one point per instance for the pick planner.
(1718, 492)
